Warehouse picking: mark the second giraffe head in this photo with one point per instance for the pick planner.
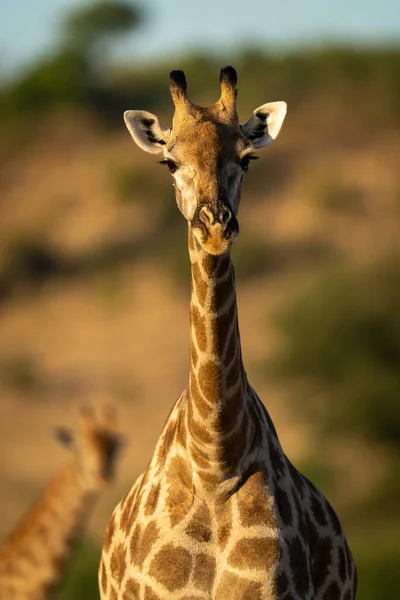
(207, 151)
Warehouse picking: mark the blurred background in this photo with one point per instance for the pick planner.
(94, 272)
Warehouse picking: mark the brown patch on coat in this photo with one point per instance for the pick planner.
(109, 534)
(201, 286)
(118, 562)
(234, 587)
(210, 380)
(152, 499)
(202, 406)
(132, 589)
(171, 567)
(180, 490)
(166, 441)
(194, 357)
(200, 459)
(103, 578)
(181, 430)
(199, 528)
(204, 572)
(142, 541)
(199, 326)
(254, 504)
(254, 553)
(150, 594)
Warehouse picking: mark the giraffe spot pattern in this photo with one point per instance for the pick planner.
(167, 438)
(142, 541)
(109, 534)
(113, 594)
(201, 286)
(299, 566)
(103, 578)
(254, 553)
(321, 551)
(193, 355)
(210, 380)
(318, 510)
(277, 461)
(334, 518)
(252, 501)
(126, 512)
(171, 567)
(199, 432)
(118, 562)
(284, 507)
(132, 589)
(152, 499)
(332, 592)
(199, 528)
(150, 594)
(282, 583)
(181, 431)
(225, 320)
(234, 587)
(223, 265)
(224, 523)
(233, 375)
(180, 493)
(229, 417)
(199, 326)
(198, 457)
(201, 405)
(204, 572)
(342, 564)
(231, 347)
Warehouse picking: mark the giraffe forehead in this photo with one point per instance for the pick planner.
(204, 142)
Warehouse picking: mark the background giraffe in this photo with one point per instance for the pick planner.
(220, 513)
(33, 559)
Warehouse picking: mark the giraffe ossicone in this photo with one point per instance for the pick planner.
(220, 513)
(33, 559)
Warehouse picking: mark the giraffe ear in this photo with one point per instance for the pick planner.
(146, 130)
(265, 123)
(64, 436)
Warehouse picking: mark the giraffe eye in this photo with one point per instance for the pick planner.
(172, 167)
(245, 162)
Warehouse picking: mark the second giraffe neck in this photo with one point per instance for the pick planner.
(216, 368)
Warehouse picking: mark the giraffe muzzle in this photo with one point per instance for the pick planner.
(216, 228)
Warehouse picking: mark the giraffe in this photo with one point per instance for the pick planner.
(220, 513)
(33, 559)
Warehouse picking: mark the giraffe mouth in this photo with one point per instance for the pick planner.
(215, 228)
(217, 241)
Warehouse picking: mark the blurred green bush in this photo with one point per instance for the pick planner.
(341, 339)
(80, 580)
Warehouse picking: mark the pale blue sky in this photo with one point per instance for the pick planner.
(29, 27)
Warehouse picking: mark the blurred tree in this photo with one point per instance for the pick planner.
(342, 339)
(88, 27)
(68, 75)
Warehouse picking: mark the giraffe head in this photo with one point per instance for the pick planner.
(207, 151)
(95, 443)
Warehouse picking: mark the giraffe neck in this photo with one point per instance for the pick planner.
(35, 554)
(218, 398)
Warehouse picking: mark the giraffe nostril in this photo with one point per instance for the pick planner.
(206, 216)
(226, 216)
